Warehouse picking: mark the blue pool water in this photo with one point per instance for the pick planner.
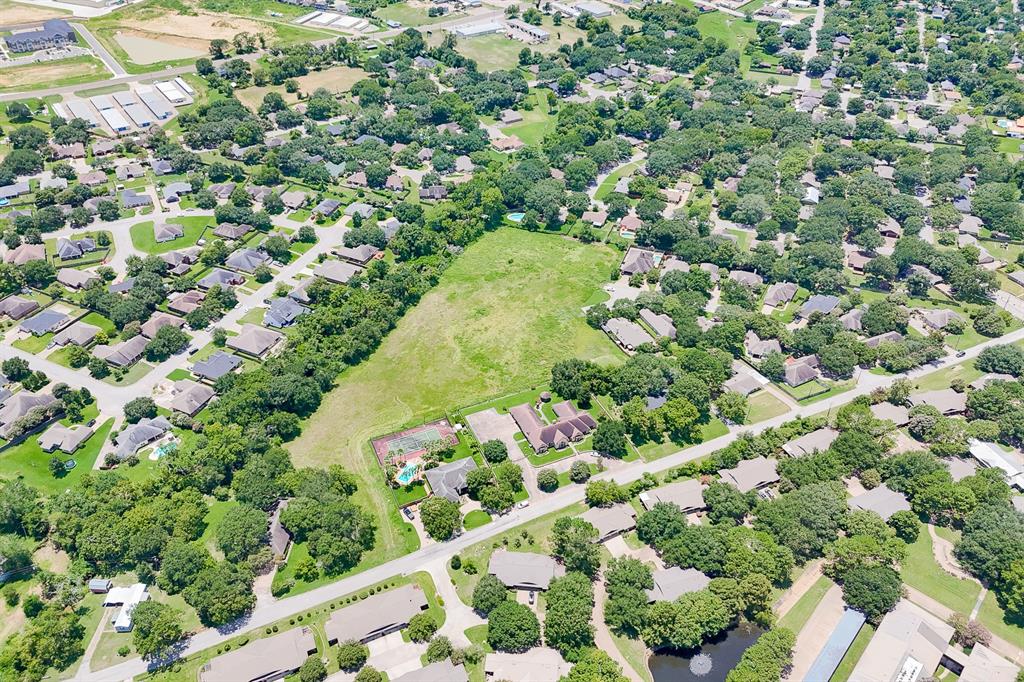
(165, 449)
(407, 473)
(516, 217)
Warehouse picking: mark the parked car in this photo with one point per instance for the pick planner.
(533, 597)
(523, 505)
(408, 513)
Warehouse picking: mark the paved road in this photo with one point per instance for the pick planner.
(803, 80)
(410, 563)
(108, 59)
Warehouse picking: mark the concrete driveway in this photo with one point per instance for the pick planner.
(394, 656)
(489, 424)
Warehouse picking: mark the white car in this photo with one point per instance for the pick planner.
(523, 505)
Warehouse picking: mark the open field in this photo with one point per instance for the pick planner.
(536, 123)
(12, 13)
(502, 314)
(409, 16)
(52, 74)
(176, 31)
(764, 405)
(335, 79)
(995, 619)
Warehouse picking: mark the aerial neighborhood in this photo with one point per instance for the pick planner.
(497, 340)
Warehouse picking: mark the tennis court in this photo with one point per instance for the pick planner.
(403, 446)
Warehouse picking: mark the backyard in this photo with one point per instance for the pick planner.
(143, 240)
(474, 336)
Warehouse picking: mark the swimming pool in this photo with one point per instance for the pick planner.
(164, 449)
(408, 473)
(516, 217)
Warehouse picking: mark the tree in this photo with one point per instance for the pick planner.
(422, 627)
(242, 531)
(596, 666)
(967, 632)
(489, 594)
(992, 541)
(439, 649)
(665, 520)
(180, 563)
(873, 590)
(139, 408)
(605, 493)
(567, 628)
(15, 369)
(512, 627)
(578, 380)
(221, 593)
(732, 407)
(579, 472)
(369, 674)
(610, 439)
(726, 503)
(906, 525)
(766, 659)
(573, 543)
(156, 628)
(805, 520)
(494, 451)
(547, 480)
(352, 655)
(441, 517)
(312, 670)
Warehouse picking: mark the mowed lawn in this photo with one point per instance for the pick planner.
(501, 316)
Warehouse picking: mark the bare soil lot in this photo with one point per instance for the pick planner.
(65, 72)
(146, 48)
(12, 13)
(335, 79)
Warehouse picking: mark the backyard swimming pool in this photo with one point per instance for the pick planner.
(516, 217)
(408, 473)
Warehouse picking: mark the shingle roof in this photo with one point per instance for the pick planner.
(674, 582)
(449, 480)
(524, 570)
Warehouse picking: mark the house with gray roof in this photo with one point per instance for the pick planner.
(780, 293)
(136, 436)
(216, 366)
(230, 231)
(255, 340)
(67, 439)
(524, 570)
(174, 190)
(246, 260)
(222, 277)
(627, 333)
(758, 348)
(327, 207)
(661, 324)
(124, 354)
(939, 318)
(672, 583)
(190, 397)
(336, 271)
(809, 443)
(881, 500)
(376, 616)
(16, 406)
(360, 255)
(539, 664)
(687, 494)
(819, 303)
(78, 333)
(908, 639)
(798, 372)
(263, 660)
(283, 312)
(945, 400)
(44, 322)
(69, 249)
(24, 253)
(449, 480)
(897, 414)
(166, 232)
(73, 278)
(637, 261)
(747, 279)
(751, 474)
(133, 199)
(17, 307)
(611, 521)
(129, 171)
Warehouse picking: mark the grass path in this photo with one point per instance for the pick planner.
(922, 572)
(501, 316)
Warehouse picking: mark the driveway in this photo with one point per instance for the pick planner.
(394, 656)
(489, 424)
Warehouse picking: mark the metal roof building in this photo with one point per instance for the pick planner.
(139, 114)
(115, 119)
(82, 110)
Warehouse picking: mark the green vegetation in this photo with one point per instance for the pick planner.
(920, 571)
(28, 462)
(801, 612)
(193, 226)
(853, 654)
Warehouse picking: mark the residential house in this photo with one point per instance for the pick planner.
(661, 324)
(628, 334)
(124, 354)
(190, 397)
(73, 278)
(780, 294)
(67, 439)
(449, 480)
(127, 598)
(881, 500)
(255, 340)
(132, 199)
(337, 272)
(283, 312)
(159, 320)
(327, 208)
(44, 322)
(524, 570)
(819, 303)
(263, 660)
(25, 253)
(751, 474)
(166, 232)
(16, 406)
(674, 582)
(17, 307)
(758, 348)
(611, 521)
(78, 334)
(246, 260)
(798, 372)
(809, 443)
(572, 426)
(945, 400)
(221, 277)
(539, 664)
(687, 494)
(216, 366)
(136, 436)
(747, 279)
(359, 255)
(377, 616)
(186, 302)
(231, 231)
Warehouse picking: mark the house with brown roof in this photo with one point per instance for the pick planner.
(255, 340)
(572, 426)
(262, 660)
(376, 616)
(159, 320)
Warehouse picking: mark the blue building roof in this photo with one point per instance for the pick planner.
(835, 648)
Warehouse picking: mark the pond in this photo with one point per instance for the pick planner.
(692, 665)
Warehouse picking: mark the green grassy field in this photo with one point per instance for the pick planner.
(921, 572)
(764, 405)
(536, 123)
(142, 234)
(408, 16)
(995, 619)
(28, 462)
(501, 316)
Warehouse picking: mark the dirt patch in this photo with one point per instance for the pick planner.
(12, 14)
(336, 79)
(49, 72)
(143, 49)
(198, 29)
(52, 559)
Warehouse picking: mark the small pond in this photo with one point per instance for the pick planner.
(691, 665)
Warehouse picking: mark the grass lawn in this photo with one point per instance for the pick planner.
(764, 405)
(475, 519)
(213, 519)
(539, 532)
(474, 336)
(28, 462)
(942, 378)
(34, 344)
(801, 612)
(635, 653)
(853, 654)
(536, 123)
(142, 234)
(995, 619)
(137, 371)
(414, 492)
(921, 572)
(408, 16)
(608, 185)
